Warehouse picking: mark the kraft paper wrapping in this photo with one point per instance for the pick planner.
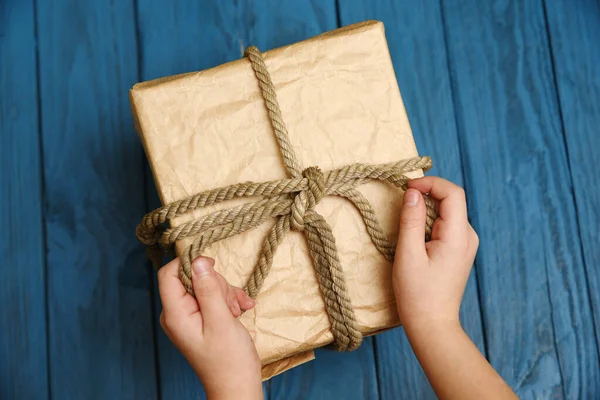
(341, 103)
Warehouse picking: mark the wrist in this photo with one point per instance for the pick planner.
(233, 390)
(248, 394)
(432, 327)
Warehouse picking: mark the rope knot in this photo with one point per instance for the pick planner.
(148, 235)
(292, 201)
(306, 200)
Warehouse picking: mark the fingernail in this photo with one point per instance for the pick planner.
(202, 266)
(411, 198)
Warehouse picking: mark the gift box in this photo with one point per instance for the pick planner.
(292, 162)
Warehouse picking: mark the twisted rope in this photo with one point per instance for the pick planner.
(292, 202)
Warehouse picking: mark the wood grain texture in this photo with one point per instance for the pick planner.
(331, 375)
(416, 40)
(523, 91)
(23, 352)
(535, 301)
(189, 36)
(100, 327)
(574, 30)
(173, 38)
(271, 24)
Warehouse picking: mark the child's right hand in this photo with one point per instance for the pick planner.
(430, 278)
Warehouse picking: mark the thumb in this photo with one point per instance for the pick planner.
(411, 234)
(212, 303)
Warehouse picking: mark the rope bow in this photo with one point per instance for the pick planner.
(292, 202)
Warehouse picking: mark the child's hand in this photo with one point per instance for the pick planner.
(430, 278)
(207, 333)
(429, 282)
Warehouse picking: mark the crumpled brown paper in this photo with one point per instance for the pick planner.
(341, 102)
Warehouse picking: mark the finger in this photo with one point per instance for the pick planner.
(165, 327)
(451, 197)
(226, 290)
(473, 240)
(233, 303)
(246, 302)
(411, 234)
(171, 290)
(239, 301)
(161, 320)
(210, 298)
(233, 296)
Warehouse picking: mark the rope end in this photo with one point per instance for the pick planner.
(155, 255)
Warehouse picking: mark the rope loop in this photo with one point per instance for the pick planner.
(292, 203)
(306, 200)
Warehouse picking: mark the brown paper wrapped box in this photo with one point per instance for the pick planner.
(341, 103)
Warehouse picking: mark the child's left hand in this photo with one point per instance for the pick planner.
(207, 333)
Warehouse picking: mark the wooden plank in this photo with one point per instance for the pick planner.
(416, 40)
(573, 32)
(23, 351)
(272, 24)
(169, 37)
(331, 375)
(535, 301)
(101, 342)
(175, 38)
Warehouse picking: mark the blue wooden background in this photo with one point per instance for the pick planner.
(504, 95)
